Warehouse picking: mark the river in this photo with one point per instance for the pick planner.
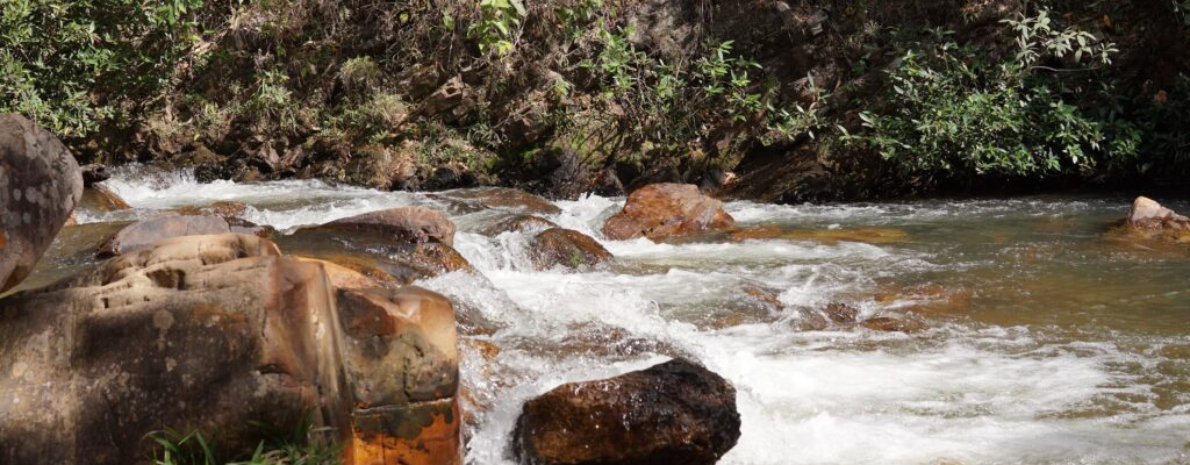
(1039, 340)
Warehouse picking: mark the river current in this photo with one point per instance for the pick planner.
(1039, 339)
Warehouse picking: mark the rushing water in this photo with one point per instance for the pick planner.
(1047, 343)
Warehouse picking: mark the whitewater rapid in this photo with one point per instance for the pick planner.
(1021, 379)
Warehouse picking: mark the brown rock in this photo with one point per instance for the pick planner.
(518, 223)
(841, 313)
(401, 354)
(658, 211)
(205, 333)
(40, 186)
(222, 209)
(887, 324)
(673, 413)
(213, 333)
(483, 198)
(100, 198)
(412, 225)
(94, 174)
(375, 256)
(342, 277)
(143, 234)
(1149, 220)
(568, 248)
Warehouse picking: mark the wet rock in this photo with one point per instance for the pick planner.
(242, 226)
(204, 333)
(673, 413)
(897, 325)
(376, 256)
(568, 248)
(145, 233)
(40, 186)
(659, 211)
(100, 198)
(768, 299)
(1149, 220)
(841, 313)
(483, 198)
(222, 209)
(94, 174)
(401, 354)
(518, 223)
(342, 277)
(409, 225)
(825, 236)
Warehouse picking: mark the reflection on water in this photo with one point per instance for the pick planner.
(1047, 341)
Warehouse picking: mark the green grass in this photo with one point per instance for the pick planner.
(300, 446)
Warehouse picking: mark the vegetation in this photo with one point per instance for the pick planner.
(303, 445)
(955, 111)
(441, 93)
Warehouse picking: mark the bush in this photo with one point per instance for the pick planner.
(954, 111)
(68, 64)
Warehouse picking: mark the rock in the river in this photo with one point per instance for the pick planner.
(143, 234)
(566, 247)
(94, 174)
(411, 225)
(675, 413)
(658, 211)
(213, 333)
(519, 223)
(1150, 220)
(402, 357)
(839, 312)
(377, 256)
(100, 198)
(223, 209)
(482, 198)
(40, 185)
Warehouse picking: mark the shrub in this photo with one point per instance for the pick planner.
(953, 110)
(68, 64)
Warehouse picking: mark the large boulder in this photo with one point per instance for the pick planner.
(40, 185)
(674, 413)
(198, 333)
(412, 225)
(145, 233)
(215, 334)
(401, 352)
(658, 211)
(566, 247)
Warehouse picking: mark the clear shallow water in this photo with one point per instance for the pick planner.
(1046, 342)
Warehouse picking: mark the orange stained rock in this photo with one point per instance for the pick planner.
(424, 433)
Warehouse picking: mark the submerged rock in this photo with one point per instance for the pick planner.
(483, 198)
(40, 186)
(519, 223)
(826, 236)
(568, 248)
(145, 233)
(674, 413)
(659, 211)
(222, 209)
(410, 225)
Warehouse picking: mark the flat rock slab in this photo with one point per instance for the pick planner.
(143, 234)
